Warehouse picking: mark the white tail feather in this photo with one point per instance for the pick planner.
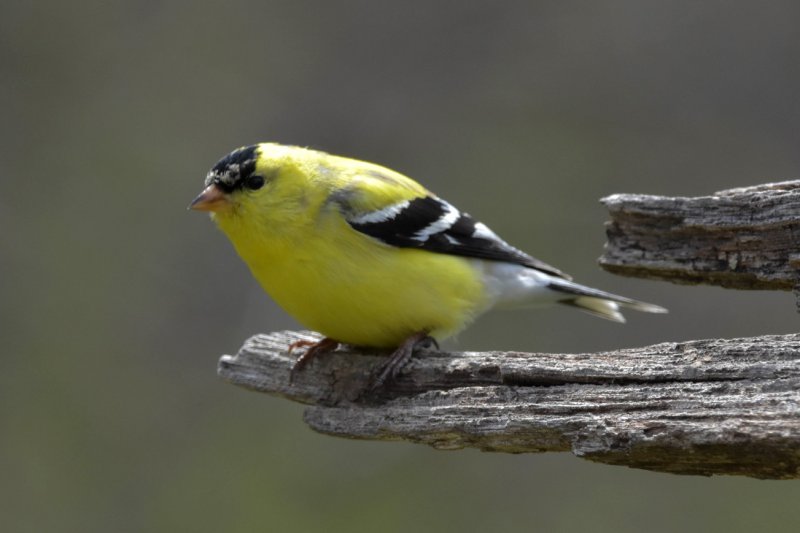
(511, 286)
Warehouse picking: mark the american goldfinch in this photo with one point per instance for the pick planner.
(369, 257)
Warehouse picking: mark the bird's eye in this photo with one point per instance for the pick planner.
(255, 182)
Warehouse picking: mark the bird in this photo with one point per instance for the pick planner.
(368, 257)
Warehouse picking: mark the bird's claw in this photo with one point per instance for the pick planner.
(315, 349)
(400, 357)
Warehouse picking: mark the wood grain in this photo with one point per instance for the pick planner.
(746, 238)
(701, 407)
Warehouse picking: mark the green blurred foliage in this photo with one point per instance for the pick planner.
(116, 302)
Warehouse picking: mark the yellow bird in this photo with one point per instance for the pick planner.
(369, 257)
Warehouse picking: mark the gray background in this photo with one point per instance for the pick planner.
(115, 302)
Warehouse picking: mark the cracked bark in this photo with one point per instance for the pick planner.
(699, 407)
(745, 238)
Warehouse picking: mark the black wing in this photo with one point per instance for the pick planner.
(430, 223)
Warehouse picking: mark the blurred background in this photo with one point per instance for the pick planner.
(116, 302)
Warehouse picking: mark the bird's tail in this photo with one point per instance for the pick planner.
(597, 302)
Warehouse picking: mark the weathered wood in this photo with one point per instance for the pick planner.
(701, 407)
(746, 238)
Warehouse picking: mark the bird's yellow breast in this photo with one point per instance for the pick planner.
(357, 290)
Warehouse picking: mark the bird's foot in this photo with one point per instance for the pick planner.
(314, 349)
(400, 357)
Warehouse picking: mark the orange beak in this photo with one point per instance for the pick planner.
(211, 199)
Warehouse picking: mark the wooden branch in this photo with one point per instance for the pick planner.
(700, 407)
(747, 238)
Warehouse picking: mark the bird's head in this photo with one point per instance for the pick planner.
(253, 182)
(267, 190)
